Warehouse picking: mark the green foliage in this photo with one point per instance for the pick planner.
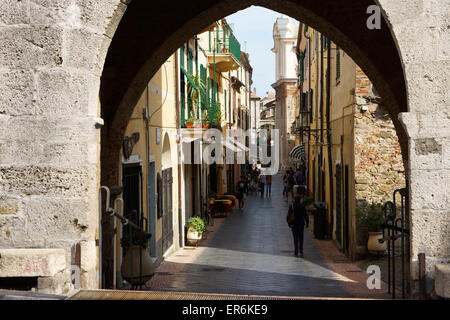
(136, 238)
(197, 224)
(217, 120)
(194, 92)
(212, 194)
(307, 201)
(371, 218)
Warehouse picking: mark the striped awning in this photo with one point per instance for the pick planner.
(297, 154)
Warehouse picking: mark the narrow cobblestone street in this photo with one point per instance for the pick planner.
(251, 252)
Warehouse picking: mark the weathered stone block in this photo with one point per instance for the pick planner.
(431, 232)
(57, 219)
(30, 46)
(442, 280)
(65, 92)
(14, 12)
(402, 10)
(428, 85)
(8, 206)
(31, 262)
(16, 92)
(36, 180)
(82, 57)
(428, 189)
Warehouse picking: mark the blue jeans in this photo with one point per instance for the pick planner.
(268, 189)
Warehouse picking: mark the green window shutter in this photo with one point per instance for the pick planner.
(302, 67)
(203, 92)
(182, 56)
(190, 65)
(182, 99)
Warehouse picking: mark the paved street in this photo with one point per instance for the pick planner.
(252, 253)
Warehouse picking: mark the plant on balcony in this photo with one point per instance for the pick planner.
(194, 90)
(190, 122)
(205, 123)
(216, 121)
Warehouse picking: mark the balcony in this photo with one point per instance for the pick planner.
(224, 50)
(301, 122)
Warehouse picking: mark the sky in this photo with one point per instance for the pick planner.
(254, 26)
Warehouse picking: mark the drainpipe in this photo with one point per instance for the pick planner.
(330, 166)
(178, 124)
(317, 110)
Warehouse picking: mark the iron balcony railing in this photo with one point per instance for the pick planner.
(222, 41)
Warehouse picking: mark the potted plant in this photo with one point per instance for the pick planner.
(196, 228)
(372, 219)
(197, 123)
(194, 89)
(190, 122)
(216, 122)
(205, 123)
(212, 194)
(308, 202)
(137, 265)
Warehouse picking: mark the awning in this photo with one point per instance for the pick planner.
(297, 154)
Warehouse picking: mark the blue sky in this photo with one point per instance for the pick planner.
(255, 26)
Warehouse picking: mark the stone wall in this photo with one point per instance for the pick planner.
(379, 169)
(379, 166)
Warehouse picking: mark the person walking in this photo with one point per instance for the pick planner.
(261, 184)
(299, 177)
(241, 191)
(291, 184)
(268, 185)
(297, 218)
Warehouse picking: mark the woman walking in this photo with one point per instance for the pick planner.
(297, 218)
(261, 184)
(268, 185)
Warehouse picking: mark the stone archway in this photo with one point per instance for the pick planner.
(55, 58)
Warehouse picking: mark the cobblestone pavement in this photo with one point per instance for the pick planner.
(251, 252)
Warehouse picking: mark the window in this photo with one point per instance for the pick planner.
(302, 67)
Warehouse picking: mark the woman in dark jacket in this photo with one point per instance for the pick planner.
(297, 218)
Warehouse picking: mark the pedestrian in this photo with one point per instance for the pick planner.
(268, 185)
(261, 184)
(285, 182)
(299, 176)
(241, 191)
(297, 218)
(291, 184)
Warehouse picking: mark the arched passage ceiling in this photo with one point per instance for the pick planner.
(151, 30)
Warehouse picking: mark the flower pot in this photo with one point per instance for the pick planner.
(188, 124)
(206, 125)
(193, 234)
(130, 268)
(197, 123)
(373, 245)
